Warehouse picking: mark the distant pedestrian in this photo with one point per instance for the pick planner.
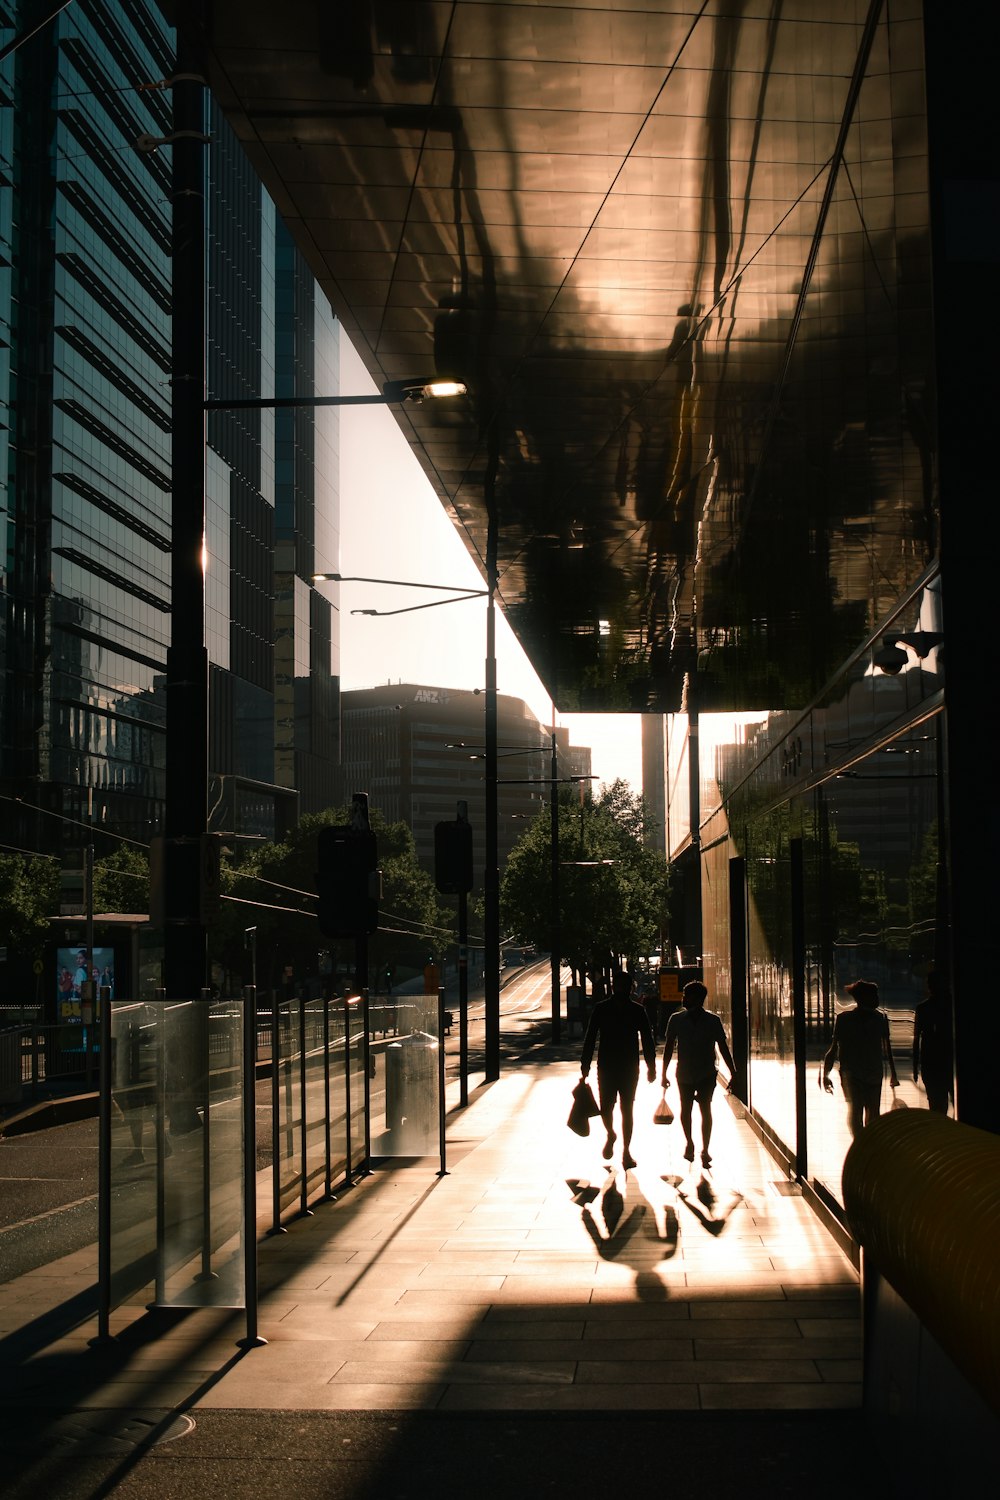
(861, 1043)
(933, 1047)
(698, 1035)
(618, 1028)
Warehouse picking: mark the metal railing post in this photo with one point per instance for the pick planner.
(327, 1123)
(161, 1146)
(204, 1048)
(276, 1225)
(304, 1208)
(348, 1167)
(367, 1057)
(440, 1083)
(105, 1083)
(252, 1338)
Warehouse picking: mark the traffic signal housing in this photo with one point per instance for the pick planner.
(453, 857)
(348, 881)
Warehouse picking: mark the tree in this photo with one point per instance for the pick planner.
(29, 896)
(613, 890)
(273, 888)
(121, 880)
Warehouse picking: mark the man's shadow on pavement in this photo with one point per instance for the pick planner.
(710, 1203)
(621, 1225)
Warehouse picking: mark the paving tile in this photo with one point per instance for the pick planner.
(330, 1397)
(671, 1307)
(376, 1372)
(830, 1328)
(780, 1397)
(542, 1331)
(604, 1398)
(626, 1296)
(834, 1370)
(640, 1333)
(438, 1298)
(412, 1312)
(485, 1351)
(739, 1372)
(751, 1349)
(448, 1279)
(762, 1308)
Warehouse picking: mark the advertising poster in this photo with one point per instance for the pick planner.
(71, 972)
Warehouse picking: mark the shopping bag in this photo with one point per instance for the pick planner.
(663, 1114)
(585, 1107)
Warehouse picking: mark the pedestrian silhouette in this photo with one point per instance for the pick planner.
(861, 1043)
(618, 1028)
(698, 1035)
(932, 1044)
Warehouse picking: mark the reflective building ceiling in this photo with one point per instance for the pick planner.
(680, 256)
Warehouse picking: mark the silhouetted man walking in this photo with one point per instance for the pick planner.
(618, 1027)
(696, 1033)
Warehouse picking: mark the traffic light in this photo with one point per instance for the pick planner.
(348, 881)
(453, 857)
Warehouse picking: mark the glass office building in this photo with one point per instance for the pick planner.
(85, 306)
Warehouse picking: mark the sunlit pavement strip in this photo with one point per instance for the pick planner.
(529, 1277)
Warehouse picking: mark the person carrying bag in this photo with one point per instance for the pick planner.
(585, 1107)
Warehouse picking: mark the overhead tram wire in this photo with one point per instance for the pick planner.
(419, 929)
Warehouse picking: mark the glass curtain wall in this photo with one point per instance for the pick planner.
(837, 817)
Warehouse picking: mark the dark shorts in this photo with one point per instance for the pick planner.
(614, 1081)
(702, 1090)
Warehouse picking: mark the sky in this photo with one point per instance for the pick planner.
(392, 525)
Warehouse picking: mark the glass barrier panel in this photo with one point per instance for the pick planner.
(337, 1096)
(356, 1062)
(406, 1073)
(315, 1093)
(287, 1105)
(177, 1154)
(136, 1142)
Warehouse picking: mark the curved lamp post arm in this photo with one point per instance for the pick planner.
(431, 604)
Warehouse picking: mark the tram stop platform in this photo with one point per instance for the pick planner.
(533, 1320)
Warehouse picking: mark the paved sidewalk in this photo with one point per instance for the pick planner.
(530, 1272)
(532, 1279)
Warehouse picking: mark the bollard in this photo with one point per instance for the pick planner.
(922, 1194)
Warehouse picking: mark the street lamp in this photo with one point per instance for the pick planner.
(186, 851)
(555, 781)
(444, 588)
(393, 393)
(491, 882)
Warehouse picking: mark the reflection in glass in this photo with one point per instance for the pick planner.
(405, 1086)
(875, 913)
(176, 1181)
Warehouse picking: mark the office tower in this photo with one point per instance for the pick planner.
(416, 750)
(85, 324)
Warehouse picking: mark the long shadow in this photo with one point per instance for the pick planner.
(52, 1448)
(622, 1224)
(710, 1206)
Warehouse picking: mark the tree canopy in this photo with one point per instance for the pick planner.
(29, 894)
(121, 880)
(613, 890)
(273, 888)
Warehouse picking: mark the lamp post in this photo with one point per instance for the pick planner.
(555, 924)
(393, 393)
(185, 881)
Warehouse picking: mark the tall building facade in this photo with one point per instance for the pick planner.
(85, 309)
(418, 750)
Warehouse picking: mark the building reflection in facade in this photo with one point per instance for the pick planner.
(837, 819)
